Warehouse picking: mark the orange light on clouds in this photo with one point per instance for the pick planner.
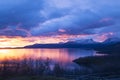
(23, 41)
(103, 37)
(18, 41)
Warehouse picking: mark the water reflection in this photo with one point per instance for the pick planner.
(64, 56)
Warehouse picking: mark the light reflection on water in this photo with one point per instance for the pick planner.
(64, 56)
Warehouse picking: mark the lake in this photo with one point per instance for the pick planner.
(63, 56)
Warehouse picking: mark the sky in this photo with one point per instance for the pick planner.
(26, 22)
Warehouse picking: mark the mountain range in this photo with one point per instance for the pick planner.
(85, 43)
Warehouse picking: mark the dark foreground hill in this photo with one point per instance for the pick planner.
(109, 63)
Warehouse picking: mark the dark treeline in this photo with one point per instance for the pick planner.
(36, 67)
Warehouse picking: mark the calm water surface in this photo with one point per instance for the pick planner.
(63, 56)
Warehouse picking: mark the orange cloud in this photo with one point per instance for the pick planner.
(103, 37)
(18, 41)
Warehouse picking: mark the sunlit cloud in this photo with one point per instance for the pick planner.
(103, 37)
(28, 22)
(18, 41)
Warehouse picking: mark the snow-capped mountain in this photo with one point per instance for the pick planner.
(85, 41)
(112, 40)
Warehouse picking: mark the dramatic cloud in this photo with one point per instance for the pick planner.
(24, 12)
(34, 18)
(18, 41)
(77, 17)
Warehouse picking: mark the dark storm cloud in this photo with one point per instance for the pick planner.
(54, 17)
(21, 11)
(14, 12)
(81, 17)
(79, 23)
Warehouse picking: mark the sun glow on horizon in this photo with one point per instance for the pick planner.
(10, 54)
(12, 42)
(17, 41)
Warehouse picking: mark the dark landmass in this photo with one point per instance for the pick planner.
(112, 56)
(99, 61)
(108, 45)
(67, 45)
(110, 48)
(107, 67)
(64, 45)
(109, 63)
(71, 44)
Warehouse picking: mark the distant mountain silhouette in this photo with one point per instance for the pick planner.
(110, 48)
(111, 40)
(88, 43)
(110, 43)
